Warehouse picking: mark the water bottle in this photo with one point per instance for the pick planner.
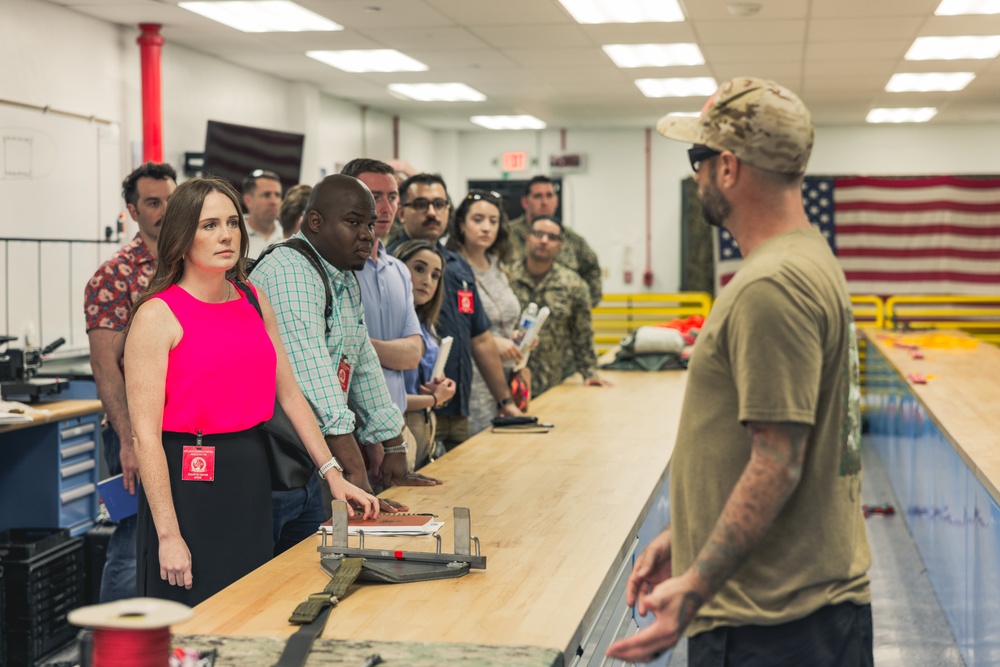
(524, 322)
(528, 316)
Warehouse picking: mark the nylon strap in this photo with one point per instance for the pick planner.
(312, 614)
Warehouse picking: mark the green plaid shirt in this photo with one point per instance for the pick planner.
(296, 292)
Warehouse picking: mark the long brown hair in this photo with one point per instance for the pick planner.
(428, 312)
(456, 227)
(180, 222)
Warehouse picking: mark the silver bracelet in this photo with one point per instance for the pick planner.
(401, 448)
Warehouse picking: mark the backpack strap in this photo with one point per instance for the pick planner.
(251, 297)
(303, 247)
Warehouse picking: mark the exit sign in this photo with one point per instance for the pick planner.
(514, 161)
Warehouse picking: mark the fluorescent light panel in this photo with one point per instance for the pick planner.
(263, 16)
(684, 114)
(438, 92)
(369, 60)
(624, 11)
(701, 86)
(901, 115)
(654, 55)
(509, 122)
(959, 7)
(954, 48)
(928, 82)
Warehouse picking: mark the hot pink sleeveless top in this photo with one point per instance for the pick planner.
(221, 376)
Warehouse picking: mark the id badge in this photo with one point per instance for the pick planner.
(198, 464)
(465, 303)
(344, 374)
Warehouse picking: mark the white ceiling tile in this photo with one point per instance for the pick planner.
(571, 57)
(728, 53)
(401, 39)
(700, 10)
(855, 30)
(858, 9)
(760, 32)
(521, 12)
(476, 59)
(857, 53)
(391, 14)
(531, 36)
(639, 33)
(947, 26)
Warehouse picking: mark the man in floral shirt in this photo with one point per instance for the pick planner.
(108, 299)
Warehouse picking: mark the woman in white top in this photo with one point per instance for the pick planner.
(479, 232)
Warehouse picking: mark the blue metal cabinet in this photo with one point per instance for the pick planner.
(49, 474)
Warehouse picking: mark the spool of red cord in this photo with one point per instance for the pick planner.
(131, 633)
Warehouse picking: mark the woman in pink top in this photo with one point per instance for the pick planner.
(202, 369)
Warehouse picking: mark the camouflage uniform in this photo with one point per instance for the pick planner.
(567, 332)
(575, 253)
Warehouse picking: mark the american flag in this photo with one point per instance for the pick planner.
(929, 235)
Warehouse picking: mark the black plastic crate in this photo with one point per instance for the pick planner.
(40, 592)
(26, 543)
(3, 623)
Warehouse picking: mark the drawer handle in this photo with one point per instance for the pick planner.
(77, 493)
(75, 431)
(70, 452)
(77, 468)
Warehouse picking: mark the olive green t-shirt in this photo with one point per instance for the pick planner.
(778, 346)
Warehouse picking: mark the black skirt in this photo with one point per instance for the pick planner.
(226, 523)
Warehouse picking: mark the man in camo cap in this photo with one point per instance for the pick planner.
(765, 562)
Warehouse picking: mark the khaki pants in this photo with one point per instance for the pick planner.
(452, 431)
(420, 430)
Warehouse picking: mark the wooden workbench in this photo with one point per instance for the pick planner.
(961, 398)
(555, 513)
(45, 412)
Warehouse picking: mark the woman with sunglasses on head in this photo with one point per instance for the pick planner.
(203, 369)
(478, 231)
(425, 261)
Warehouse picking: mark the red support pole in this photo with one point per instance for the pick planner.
(150, 43)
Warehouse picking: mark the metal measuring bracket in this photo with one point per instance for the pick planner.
(396, 566)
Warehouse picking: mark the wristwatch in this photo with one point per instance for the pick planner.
(504, 402)
(332, 463)
(401, 448)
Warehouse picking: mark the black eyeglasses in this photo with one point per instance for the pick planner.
(699, 154)
(539, 234)
(490, 196)
(421, 204)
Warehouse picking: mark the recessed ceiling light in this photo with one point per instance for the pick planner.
(927, 82)
(624, 11)
(509, 122)
(983, 47)
(957, 7)
(369, 60)
(654, 55)
(438, 92)
(700, 86)
(262, 16)
(901, 115)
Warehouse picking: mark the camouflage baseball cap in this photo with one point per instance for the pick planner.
(763, 123)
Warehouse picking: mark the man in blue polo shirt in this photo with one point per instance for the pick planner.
(424, 213)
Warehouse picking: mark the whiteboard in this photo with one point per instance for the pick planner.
(60, 177)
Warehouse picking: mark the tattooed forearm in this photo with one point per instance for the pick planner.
(775, 466)
(689, 607)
